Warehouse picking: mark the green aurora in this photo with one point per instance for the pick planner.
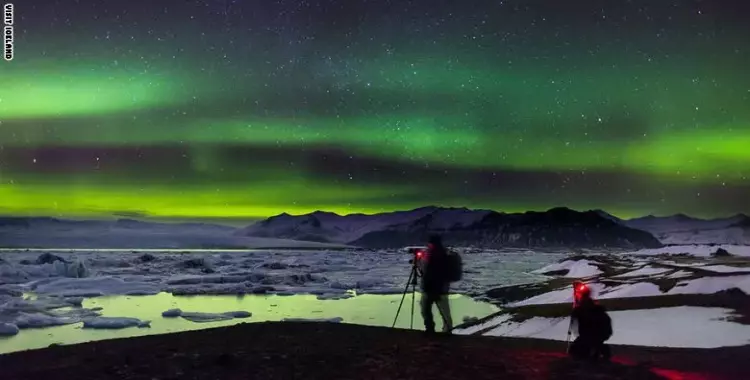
(625, 121)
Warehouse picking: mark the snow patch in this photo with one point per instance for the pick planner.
(711, 285)
(645, 271)
(575, 268)
(564, 295)
(663, 327)
(641, 289)
(680, 274)
(725, 268)
(693, 250)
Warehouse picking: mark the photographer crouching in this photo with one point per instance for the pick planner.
(438, 271)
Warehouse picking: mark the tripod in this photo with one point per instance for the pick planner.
(413, 275)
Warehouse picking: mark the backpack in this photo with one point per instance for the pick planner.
(603, 322)
(455, 267)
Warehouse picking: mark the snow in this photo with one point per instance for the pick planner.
(645, 271)
(693, 250)
(473, 329)
(576, 268)
(680, 274)
(711, 285)
(330, 226)
(734, 235)
(681, 229)
(331, 320)
(663, 327)
(725, 268)
(347, 228)
(113, 323)
(564, 295)
(641, 289)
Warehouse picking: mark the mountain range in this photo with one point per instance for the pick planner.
(558, 227)
(684, 229)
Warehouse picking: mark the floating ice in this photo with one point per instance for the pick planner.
(209, 317)
(171, 313)
(330, 320)
(114, 323)
(8, 329)
(94, 286)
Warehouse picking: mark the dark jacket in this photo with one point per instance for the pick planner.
(592, 320)
(435, 271)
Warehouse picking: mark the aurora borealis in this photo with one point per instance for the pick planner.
(245, 109)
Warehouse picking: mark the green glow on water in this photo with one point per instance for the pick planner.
(374, 310)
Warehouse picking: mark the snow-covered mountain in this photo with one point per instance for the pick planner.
(684, 229)
(558, 227)
(46, 232)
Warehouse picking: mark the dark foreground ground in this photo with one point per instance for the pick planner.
(341, 351)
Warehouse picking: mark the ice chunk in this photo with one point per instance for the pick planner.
(114, 323)
(95, 286)
(333, 297)
(239, 314)
(213, 317)
(75, 301)
(331, 320)
(171, 313)
(8, 329)
(37, 320)
(48, 258)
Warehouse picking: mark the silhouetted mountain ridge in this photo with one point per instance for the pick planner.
(557, 227)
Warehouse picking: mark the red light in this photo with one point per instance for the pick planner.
(420, 253)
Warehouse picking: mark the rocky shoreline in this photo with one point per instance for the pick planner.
(340, 351)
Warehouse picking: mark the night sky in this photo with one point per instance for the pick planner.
(221, 108)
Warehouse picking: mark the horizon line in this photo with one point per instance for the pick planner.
(241, 218)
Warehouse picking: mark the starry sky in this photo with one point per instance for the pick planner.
(245, 109)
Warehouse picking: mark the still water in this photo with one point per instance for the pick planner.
(375, 310)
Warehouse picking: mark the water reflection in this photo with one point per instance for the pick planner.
(368, 309)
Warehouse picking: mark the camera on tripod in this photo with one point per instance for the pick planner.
(417, 253)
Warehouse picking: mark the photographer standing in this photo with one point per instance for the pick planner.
(435, 268)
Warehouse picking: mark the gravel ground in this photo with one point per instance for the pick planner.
(342, 351)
